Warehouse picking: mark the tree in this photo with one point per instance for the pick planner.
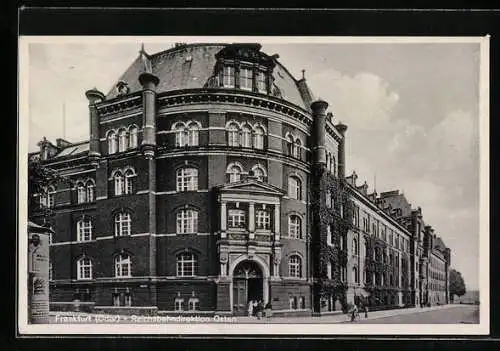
(40, 178)
(457, 284)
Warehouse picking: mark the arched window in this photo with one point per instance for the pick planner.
(128, 185)
(294, 188)
(187, 221)
(328, 161)
(295, 227)
(289, 145)
(187, 264)
(90, 187)
(119, 183)
(295, 266)
(132, 143)
(246, 136)
(258, 137)
(84, 269)
(84, 229)
(123, 266)
(81, 192)
(180, 134)
(112, 142)
(355, 277)
(234, 172)
(122, 140)
(123, 224)
(193, 134)
(187, 179)
(328, 199)
(333, 167)
(259, 172)
(51, 196)
(232, 134)
(354, 246)
(297, 148)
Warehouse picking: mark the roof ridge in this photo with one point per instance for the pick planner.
(176, 48)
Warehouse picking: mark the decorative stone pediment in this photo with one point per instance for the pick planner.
(251, 187)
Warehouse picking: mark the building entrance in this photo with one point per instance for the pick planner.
(247, 286)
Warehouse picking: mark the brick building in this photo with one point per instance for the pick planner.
(212, 177)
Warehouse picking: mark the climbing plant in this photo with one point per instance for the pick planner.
(339, 217)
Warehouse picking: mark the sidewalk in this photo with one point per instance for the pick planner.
(336, 318)
(342, 318)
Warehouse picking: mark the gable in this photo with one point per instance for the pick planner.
(251, 187)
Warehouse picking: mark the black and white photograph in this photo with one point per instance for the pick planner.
(265, 185)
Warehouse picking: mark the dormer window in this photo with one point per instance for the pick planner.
(228, 77)
(261, 82)
(244, 66)
(246, 79)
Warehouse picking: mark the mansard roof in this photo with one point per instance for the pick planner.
(191, 67)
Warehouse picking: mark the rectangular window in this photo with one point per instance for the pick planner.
(84, 230)
(261, 82)
(236, 219)
(329, 235)
(228, 78)
(263, 220)
(178, 304)
(194, 304)
(187, 221)
(246, 79)
(302, 302)
(187, 179)
(329, 270)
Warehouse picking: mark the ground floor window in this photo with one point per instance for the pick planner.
(194, 304)
(122, 299)
(82, 295)
(178, 304)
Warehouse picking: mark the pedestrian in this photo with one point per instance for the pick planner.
(255, 304)
(365, 308)
(354, 312)
(260, 309)
(250, 308)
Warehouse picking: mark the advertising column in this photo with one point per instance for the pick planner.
(38, 274)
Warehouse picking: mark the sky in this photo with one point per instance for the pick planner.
(412, 113)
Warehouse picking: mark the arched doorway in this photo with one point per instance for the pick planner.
(248, 283)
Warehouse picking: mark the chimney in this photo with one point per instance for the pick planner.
(149, 82)
(318, 108)
(47, 149)
(94, 96)
(342, 128)
(364, 188)
(352, 178)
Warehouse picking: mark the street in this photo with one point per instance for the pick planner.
(447, 314)
(455, 314)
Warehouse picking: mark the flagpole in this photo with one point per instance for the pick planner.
(64, 119)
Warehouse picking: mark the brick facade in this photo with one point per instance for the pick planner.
(183, 127)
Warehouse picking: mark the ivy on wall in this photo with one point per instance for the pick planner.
(340, 223)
